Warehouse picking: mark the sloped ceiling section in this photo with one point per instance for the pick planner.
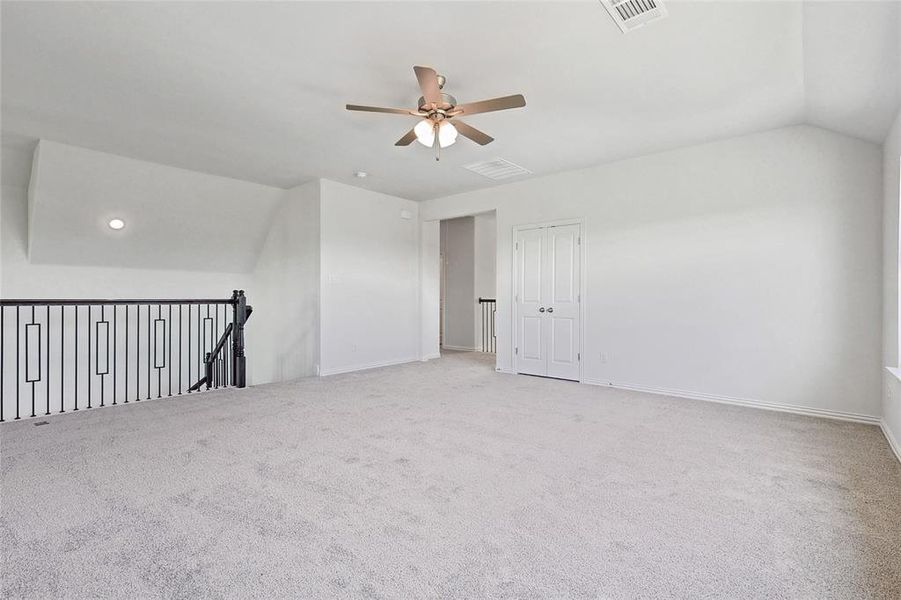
(175, 219)
(256, 91)
(852, 66)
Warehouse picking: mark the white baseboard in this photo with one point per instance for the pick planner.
(428, 357)
(459, 348)
(364, 367)
(892, 442)
(789, 408)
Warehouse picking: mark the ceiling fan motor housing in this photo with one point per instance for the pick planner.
(447, 103)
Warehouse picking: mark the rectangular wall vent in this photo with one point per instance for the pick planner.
(632, 14)
(497, 169)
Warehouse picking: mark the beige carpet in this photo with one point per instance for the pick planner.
(446, 480)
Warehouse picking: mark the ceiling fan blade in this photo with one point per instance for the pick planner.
(379, 109)
(472, 133)
(428, 83)
(483, 106)
(407, 139)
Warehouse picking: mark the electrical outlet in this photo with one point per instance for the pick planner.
(603, 358)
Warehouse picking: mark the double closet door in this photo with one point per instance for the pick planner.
(547, 301)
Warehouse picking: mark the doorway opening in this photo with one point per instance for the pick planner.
(468, 280)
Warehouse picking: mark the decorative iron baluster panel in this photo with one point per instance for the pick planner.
(59, 356)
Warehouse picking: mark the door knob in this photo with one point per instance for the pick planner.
(550, 309)
(541, 309)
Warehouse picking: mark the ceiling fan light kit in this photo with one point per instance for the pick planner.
(436, 109)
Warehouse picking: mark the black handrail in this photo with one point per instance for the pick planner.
(72, 354)
(96, 302)
(209, 359)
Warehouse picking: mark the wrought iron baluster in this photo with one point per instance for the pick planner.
(115, 349)
(18, 372)
(137, 353)
(89, 356)
(62, 356)
(169, 368)
(179, 348)
(216, 337)
(156, 363)
(188, 355)
(48, 361)
(149, 334)
(28, 378)
(97, 353)
(2, 353)
(76, 358)
(126, 354)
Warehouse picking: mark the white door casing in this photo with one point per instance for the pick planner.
(547, 300)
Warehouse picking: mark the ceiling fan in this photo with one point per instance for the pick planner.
(437, 109)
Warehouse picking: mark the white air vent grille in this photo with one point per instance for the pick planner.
(632, 14)
(496, 169)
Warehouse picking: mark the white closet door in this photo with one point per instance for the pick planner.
(562, 312)
(531, 292)
(547, 301)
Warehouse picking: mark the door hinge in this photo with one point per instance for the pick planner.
(579, 356)
(579, 240)
(517, 245)
(516, 351)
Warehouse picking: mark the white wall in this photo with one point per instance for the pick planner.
(891, 400)
(370, 268)
(485, 258)
(458, 248)
(283, 333)
(743, 269)
(429, 290)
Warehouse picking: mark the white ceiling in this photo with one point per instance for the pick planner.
(256, 91)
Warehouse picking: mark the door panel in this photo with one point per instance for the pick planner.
(531, 337)
(563, 310)
(547, 301)
(531, 347)
(561, 346)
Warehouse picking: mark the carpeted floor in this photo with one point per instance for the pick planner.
(446, 480)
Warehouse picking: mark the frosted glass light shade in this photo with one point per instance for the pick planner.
(425, 133)
(447, 134)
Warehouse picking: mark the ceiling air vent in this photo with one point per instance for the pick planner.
(497, 169)
(632, 14)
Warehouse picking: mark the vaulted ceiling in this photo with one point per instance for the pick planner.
(256, 91)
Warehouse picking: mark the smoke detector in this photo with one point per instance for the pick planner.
(632, 14)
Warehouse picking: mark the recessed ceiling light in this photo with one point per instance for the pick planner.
(116, 224)
(361, 174)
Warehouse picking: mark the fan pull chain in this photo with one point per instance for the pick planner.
(437, 144)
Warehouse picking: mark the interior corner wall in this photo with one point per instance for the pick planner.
(891, 397)
(429, 289)
(458, 248)
(369, 279)
(485, 258)
(283, 333)
(747, 269)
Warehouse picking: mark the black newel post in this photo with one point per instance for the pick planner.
(240, 317)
